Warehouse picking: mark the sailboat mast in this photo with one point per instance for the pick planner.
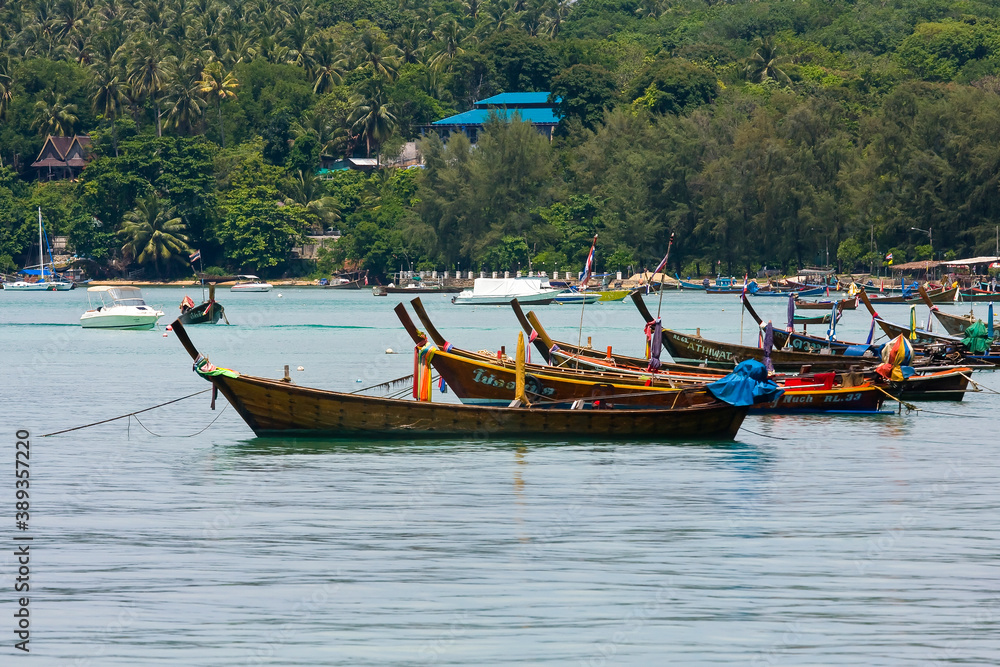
(41, 248)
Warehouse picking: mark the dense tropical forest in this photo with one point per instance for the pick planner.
(780, 134)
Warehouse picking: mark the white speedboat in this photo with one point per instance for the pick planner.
(250, 284)
(499, 292)
(120, 308)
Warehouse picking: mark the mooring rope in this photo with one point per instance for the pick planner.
(130, 414)
(180, 436)
(769, 437)
(979, 386)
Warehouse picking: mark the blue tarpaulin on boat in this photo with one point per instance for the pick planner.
(34, 272)
(856, 350)
(746, 385)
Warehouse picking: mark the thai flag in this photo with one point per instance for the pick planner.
(195, 256)
(589, 267)
(663, 262)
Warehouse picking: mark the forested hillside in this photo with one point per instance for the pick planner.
(774, 133)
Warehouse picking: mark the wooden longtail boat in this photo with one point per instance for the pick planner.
(955, 325)
(684, 348)
(938, 296)
(941, 383)
(276, 407)
(351, 280)
(842, 304)
(936, 383)
(923, 337)
(979, 296)
(209, 312)
(490, 380)
(485, 380)
(808, 291)
(813, 319)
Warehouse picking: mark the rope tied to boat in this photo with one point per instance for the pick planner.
(130, 414)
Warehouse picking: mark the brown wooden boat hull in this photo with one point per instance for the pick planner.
(480, 380)
(941, 296)
(955, 325)
(272, 407)
(845, 304)
(941, 386)
(684, 348)
(209, 312)
(354, 284)
(980, 297)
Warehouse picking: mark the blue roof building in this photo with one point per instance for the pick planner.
(532, 107)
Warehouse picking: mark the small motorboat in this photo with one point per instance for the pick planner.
(574, 296)
(250, 284)
(499, 292)
(120, 308)
(208, 312)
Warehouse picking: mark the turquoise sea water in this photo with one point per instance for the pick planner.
(809, 541)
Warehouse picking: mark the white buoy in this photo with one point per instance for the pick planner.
(300, 368)
(165, 335)
(388, 350)
(281, 295)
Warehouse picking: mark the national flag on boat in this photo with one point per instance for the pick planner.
(588, 269)
(195, 256)
(663, 262)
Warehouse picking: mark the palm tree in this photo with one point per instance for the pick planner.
(149, 73)
(372, 115)
(306, 189)
(56, 118)
(556, 14)
(330, 133)
(330, 66)
(108, 90)
(220, 86)
(109, 95)
(764, 63)
(184, 101)
(472, 8)
(153, 233)
(408, 40)
(383, 57)
(451, 38)
(6, 87)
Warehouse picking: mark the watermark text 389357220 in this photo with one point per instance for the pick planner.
(22, 540)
